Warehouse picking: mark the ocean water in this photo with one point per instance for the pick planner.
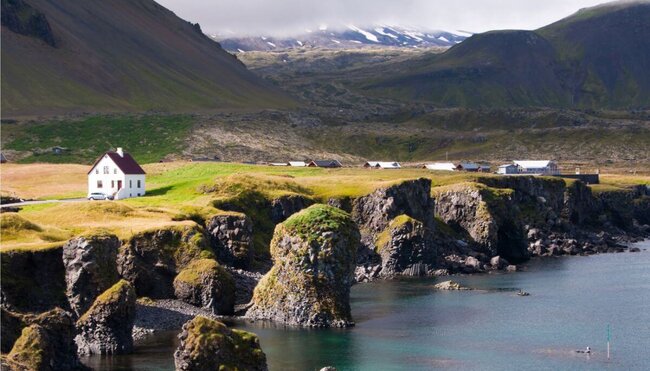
(407, 325)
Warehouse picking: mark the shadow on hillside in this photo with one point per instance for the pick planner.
(159, 191)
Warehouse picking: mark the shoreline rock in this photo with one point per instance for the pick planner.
(207, 344)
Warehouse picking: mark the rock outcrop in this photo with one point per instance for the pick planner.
(314, 255)
(107, 326)
(90, 269)
(151, 260)
(386, 250)
(207, 345)
(232, 239)
(374, 212)
(406, 247)
(205, 283)
(285, 206)
(47, 343)
(489, 216)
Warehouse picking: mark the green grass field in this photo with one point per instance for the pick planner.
(179, 192)
(148, 138)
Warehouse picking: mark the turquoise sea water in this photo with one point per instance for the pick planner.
(406, 325)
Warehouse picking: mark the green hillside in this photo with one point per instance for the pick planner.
(66, 56)
(596, 58)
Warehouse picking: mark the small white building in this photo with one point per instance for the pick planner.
(508, 169)
(545, 167)
(117, 174)
(441, 166)
(297, 163)
(382, 165)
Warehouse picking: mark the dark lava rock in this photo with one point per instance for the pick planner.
(206, 284)
(232, 239)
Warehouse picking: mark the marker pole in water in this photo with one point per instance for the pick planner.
(609, 337)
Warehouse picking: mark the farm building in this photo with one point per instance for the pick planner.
(441, 166)
(468, 166)
(382, 165)
(278, 164)
(324, 163)
(116, 173)
(508, 169)
(545, 167)
(297, 163)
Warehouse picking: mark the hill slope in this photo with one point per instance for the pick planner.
(123, 55)
(598, 57)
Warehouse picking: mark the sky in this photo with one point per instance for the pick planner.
(291, 17)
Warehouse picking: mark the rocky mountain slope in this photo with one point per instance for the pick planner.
(69, 56)
(344, 37)
(598, 57)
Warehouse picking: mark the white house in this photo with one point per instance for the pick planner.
(382, 165)
(545, 167)
(118, 174)
(441, 166)
(508, 169)
(297, 163)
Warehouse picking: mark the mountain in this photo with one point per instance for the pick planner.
(66, 56)
(346, 36)
(597, 58)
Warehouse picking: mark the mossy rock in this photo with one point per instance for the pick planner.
(46, 344)
(107, 326)
(207, 344)
(314, 253)
(206, 283)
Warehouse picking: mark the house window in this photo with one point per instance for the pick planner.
(106, 171)
(112, 184)
(100, 184)
(139, 183)
(130, 183)
(115, 171)
(96, 171)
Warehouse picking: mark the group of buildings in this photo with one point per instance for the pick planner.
(117, 173)
(545, 167)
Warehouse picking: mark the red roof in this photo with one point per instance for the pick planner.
(126, 163)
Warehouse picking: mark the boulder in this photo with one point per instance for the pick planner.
(107, 326)
(46, 344)
(205, 283)
(151, 260)
(231, 235)
(450, 286)
(207, 345)
(511, 268)
(406, 247)
(473, 263)
(90, 269)
(498, 262)
(314, 254)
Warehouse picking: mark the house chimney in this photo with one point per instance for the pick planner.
(120, 152)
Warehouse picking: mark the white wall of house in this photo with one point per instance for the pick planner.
(107, 178)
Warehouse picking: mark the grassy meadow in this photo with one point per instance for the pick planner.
(177, 192)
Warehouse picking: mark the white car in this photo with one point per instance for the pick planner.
(99, 196)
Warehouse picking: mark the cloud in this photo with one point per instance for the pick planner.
(285, 17)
